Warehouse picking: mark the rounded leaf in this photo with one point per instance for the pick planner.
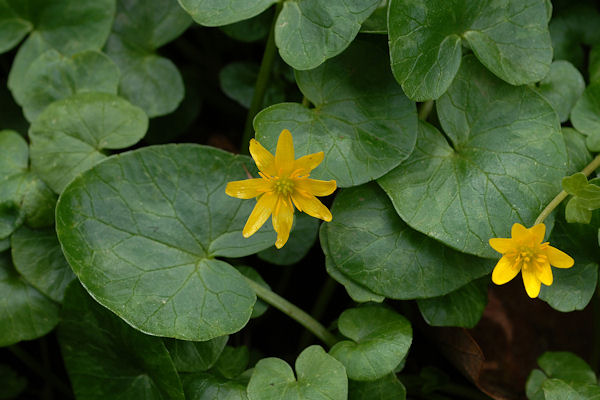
(562, 87)
(223, 12)
(586, 116)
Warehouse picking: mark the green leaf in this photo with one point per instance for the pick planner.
(426, 36)
(586, 198)
(302, 238)
(357, 292)
(573, 288)
(260, 307)
(68, 26)
(195, 356)
(567, 367)
(463, 307)
(25, 313)
(377, 22)
(380, 339)
(556, 389)
(238, 80)
(37, 256)
(12, 28)
(386, 388)
(577, 151)
(502, 164)
(52, 77)
(106, 358)
(573, 29)
(232, 362)
(11, 383)
(361, 120)
(594, 64)
(585, 116)
(311, 31)
(562, 87)
(533, 388)
(4, 244)
(169, 201)
(250, 30)
(79, 128)
(204, 386)
(373, 247)
(147, 80)
(320, 377)
(223, 12)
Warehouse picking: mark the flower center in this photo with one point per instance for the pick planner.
(283, 186)
(531, 256)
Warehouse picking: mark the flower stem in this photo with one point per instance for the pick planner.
(293, 312)
(262, 81)
(591, 167)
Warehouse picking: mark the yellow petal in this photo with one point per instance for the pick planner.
(312, 206)
(284, 155)
(263, 208)
(544, 273)
(502, 245)
(263, 158)
(519, 232)
(309, 162)
(315, 186)
(531, 282)
(248, 188)
(537, 233)
(558, 258)
(505, 270)
(283, 219)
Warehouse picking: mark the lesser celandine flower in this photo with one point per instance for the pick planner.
(525, 252)
(284, 180)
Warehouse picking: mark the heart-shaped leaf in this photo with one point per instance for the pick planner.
(380, 339)
(562, 87)
(79, 128)
(462, 307)
(320, 377)
(141, 231)
(106, 358)
(223, 12)
(426, 36)
(372, 246)
(25, 313)
(361, 120)
(147, 80)
(503, 164)
(586, 116)
(39, 259)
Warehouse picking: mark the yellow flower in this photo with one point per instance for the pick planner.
(284, 180)
(525, 252)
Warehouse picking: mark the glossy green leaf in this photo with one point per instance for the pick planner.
(232, 362)
(361, 120)
(510, 38)
(311, 31)
(562, 87)
(556, 389)
(37, 256)
(4, 244)
(169, 201)
(68, 26)
(585, 198)
(357, 292)
(260, 307)
(11, 383)
(302, 238)
(205, 386)
(502, 163)
(25, 313)
(79, 128)
(238, 80)
(223, 12)
(533, 386)
(106, 358)
(386, 388)
(319, 377)
(577, 152)
(52, 77)
(13, 28)
(147, 80)
(250, 30)
(586, 116)
(567, 367)
(373, 247)
(572, 30)
(379, 340)
(462, 307)
(195, 356)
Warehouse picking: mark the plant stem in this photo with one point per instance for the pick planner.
(293, 312)
(48, 376)
(319, 308)
(425, 109)
(591, 167)
(264, 73)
